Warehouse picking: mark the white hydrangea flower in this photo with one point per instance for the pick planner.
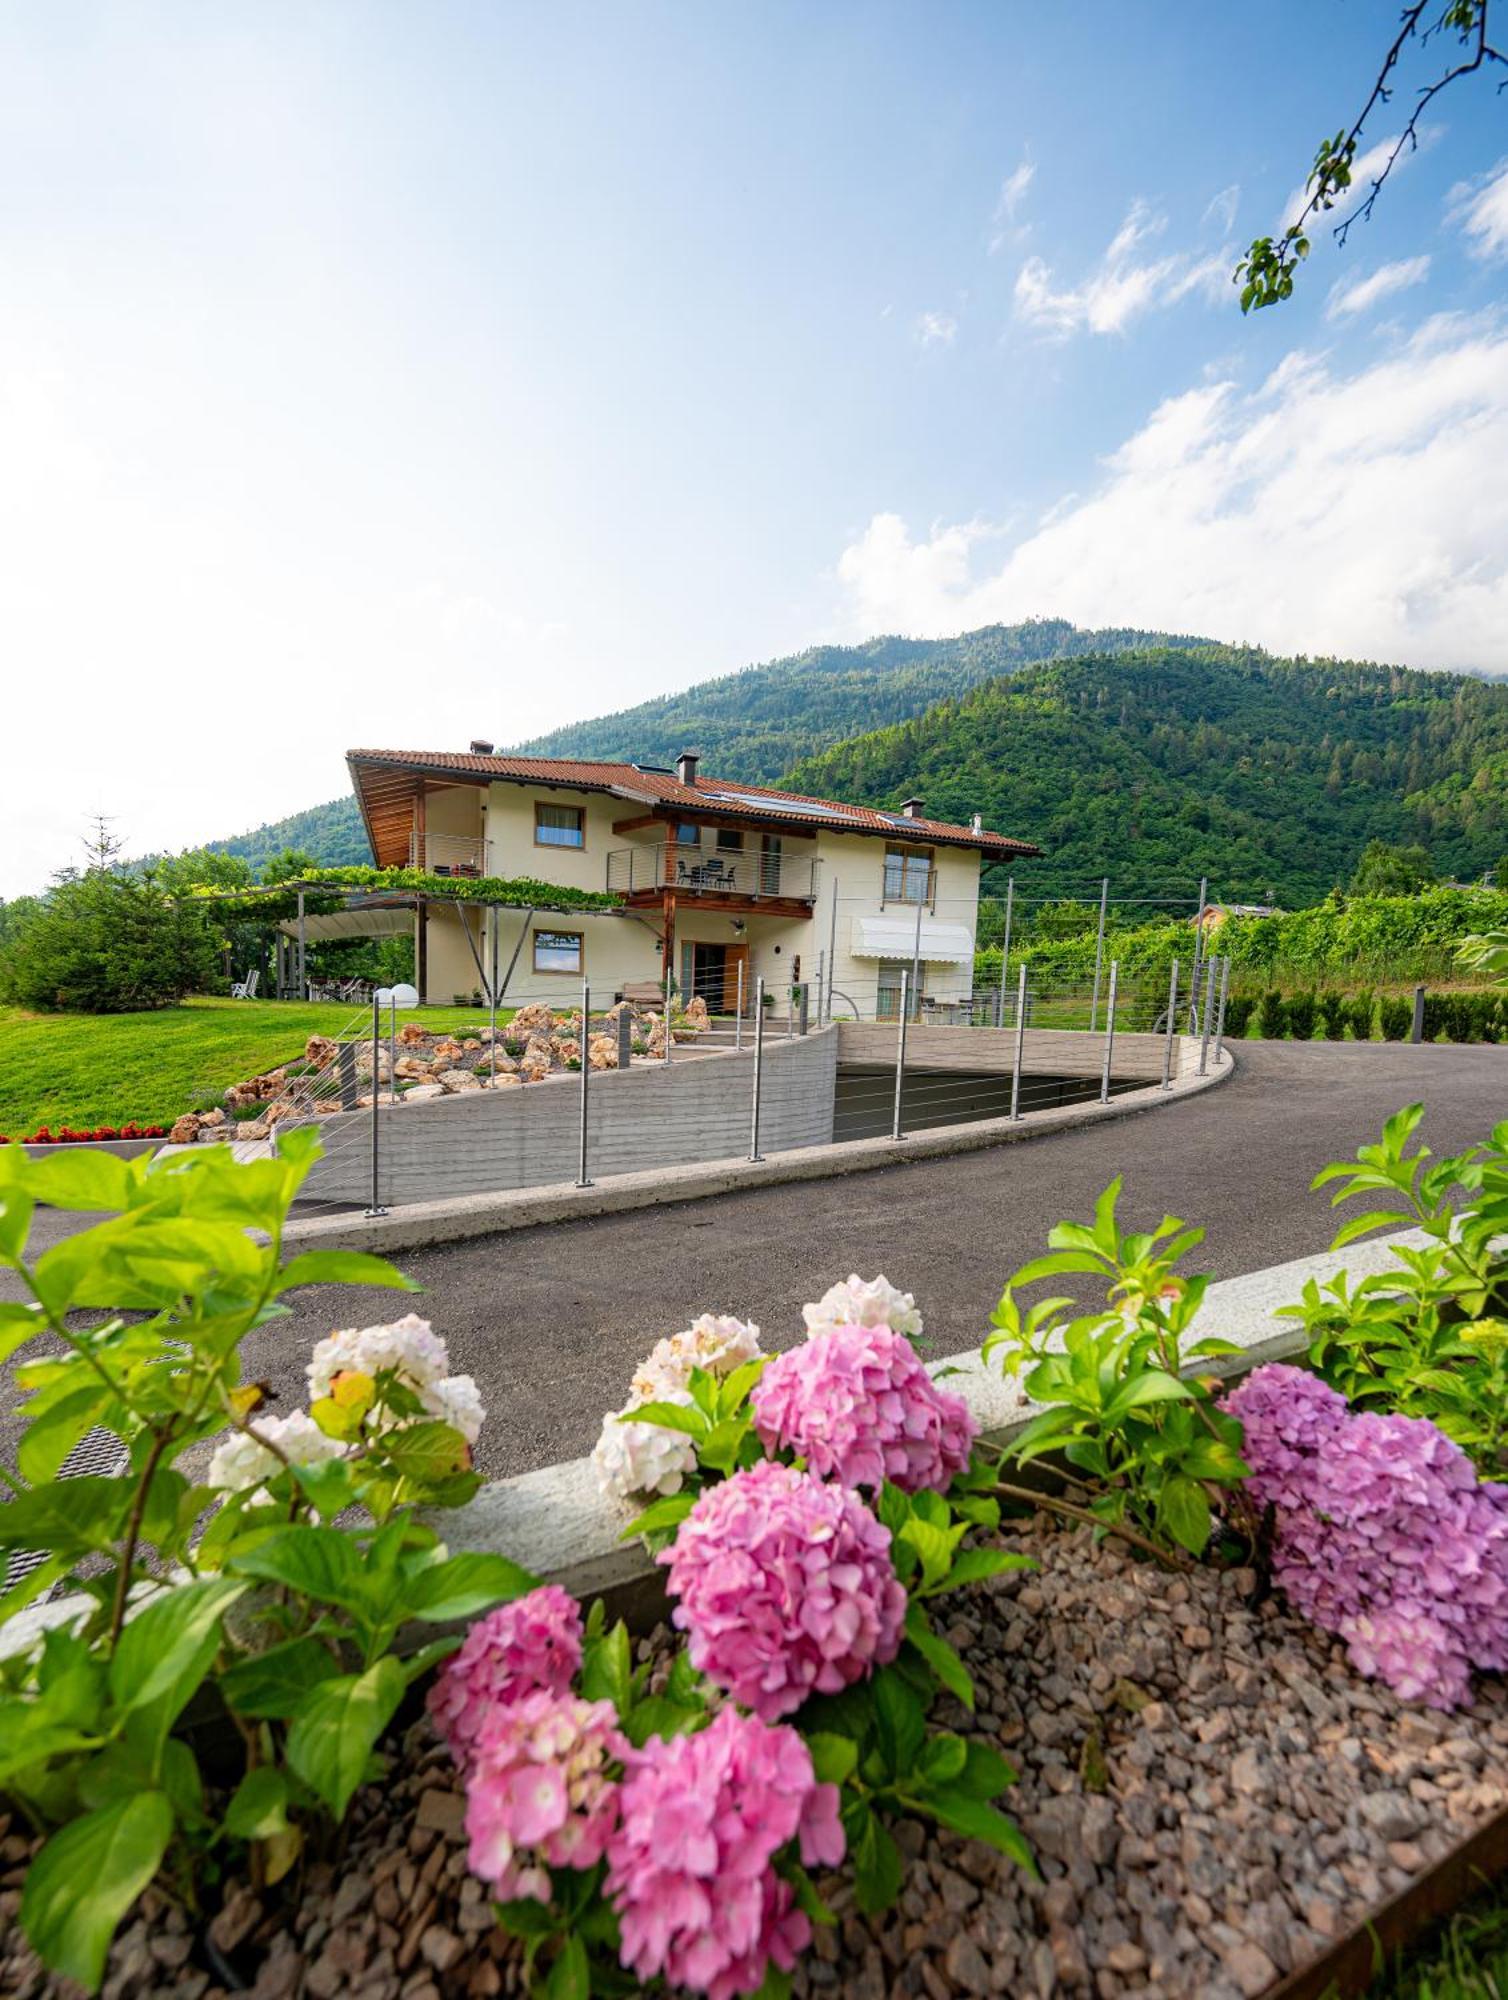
(408, 1346)
(456, 1401)
(716, 1342)
(863, 1302)
(240, 1462)
(635, 1460)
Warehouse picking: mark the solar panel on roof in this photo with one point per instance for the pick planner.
(763, 803)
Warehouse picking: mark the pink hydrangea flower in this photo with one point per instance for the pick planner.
(1385, 1535)
(689, 1865)
(858, 1405)
(786, 1588)
(531, 1644)
(542, 1791)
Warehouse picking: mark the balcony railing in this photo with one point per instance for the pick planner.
(447, 853)
(696, 871)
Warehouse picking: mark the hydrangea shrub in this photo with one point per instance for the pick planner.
(1385, 1535)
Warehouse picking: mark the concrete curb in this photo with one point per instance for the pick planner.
(419, 1224)
(556, 1522)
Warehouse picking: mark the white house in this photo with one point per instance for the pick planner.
(722, 883)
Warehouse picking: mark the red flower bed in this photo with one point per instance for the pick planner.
(67, 1136)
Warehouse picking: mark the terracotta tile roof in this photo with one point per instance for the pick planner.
(654, 788)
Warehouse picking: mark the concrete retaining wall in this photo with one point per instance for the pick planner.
(1046, 1051)
(655, 1115)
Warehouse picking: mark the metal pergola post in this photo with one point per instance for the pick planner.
(900, 1065)
(754, 1152)
(1020, 1044)
(1168, 1039)
(583, 1178)
(1099, 953)
(1109, 1031)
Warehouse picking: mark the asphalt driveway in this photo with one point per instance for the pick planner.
(551, 1320)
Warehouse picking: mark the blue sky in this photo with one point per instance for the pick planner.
(393, 374)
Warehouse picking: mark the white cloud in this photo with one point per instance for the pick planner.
(937, 329)
(1481, 209)
(1122, 286)
(1013, 192)
(1349, 296)
(1221, 210)
(1321, 513)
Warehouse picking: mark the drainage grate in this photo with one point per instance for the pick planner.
(97, 1453)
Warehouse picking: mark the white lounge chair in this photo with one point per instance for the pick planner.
(246, 989)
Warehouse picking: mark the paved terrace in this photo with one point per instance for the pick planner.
(551, 1320)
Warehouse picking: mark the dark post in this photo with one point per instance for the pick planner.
(625, 1038)
(345, 1057)
(804, 990)
(376, 1207)
(1418, 1030)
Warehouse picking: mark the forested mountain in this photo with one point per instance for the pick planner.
(1166, 763)
(1150, 757)
(756, 724)
(332, 833)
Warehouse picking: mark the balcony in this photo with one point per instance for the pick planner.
(447, 853)
(730, 879)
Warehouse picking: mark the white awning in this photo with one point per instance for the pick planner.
(895, 937)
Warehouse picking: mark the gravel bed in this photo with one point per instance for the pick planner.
(1212, 1794)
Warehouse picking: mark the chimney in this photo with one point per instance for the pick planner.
(976, 824)
(480, 747)
(685, 766)
(912, 808)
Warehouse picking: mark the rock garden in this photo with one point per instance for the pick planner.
(1163, 1693)
(418, 1064)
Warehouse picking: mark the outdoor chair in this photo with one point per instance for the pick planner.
(246, 989)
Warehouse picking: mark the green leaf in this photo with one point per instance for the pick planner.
(336, 1729)
(464, 1586)
(660, 1515)
(51, 1436)
(68, 1516)
(271, 1686)
(1153, 1385)
(979, 1821)
(1183, 1508)
(975, 1565)
(900, 1721)
(985, 1774)
(344, 1267)
(943, 1759)
(426, 1451)
(322, 1563)
(166, 1649)
(669, 1416)
(834, 1758)
(570, 1975)
(877, 1866)
(656, 1715)
(940, 1656)
(85, 1879)
(18, 1324)
(258, 1808)
(607, 1670)
(525, 1918)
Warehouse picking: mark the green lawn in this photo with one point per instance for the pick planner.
(103, 1069)
(1464, 1958)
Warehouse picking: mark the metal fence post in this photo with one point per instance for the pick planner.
(900, 1064)
(625, 1039)
(738, 1017)
(376, 1207)
(1010, 911)
(1204, 896)
(754, 1152)
(1220, 1016)
(1109, 1031)
(1416, 1032)
(1168, 1039)
(821, 989)
(916, 957)
(392, 1048)
(1209, 1008)
(832, 953)
(496, 916)
(667, 1009)
(1099, 953)
(805, 992)
(303, 977)
(345, 1064)
(1020, 1044)
(583, 1178)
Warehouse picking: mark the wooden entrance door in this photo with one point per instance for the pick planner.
(737, 955)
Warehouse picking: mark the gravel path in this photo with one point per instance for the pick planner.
(1212, 1796)
(552, 1320)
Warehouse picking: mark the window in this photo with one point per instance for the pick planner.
(729, 840)
(557, 951)
(559, 826)
(687, 834)
(908, 875)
